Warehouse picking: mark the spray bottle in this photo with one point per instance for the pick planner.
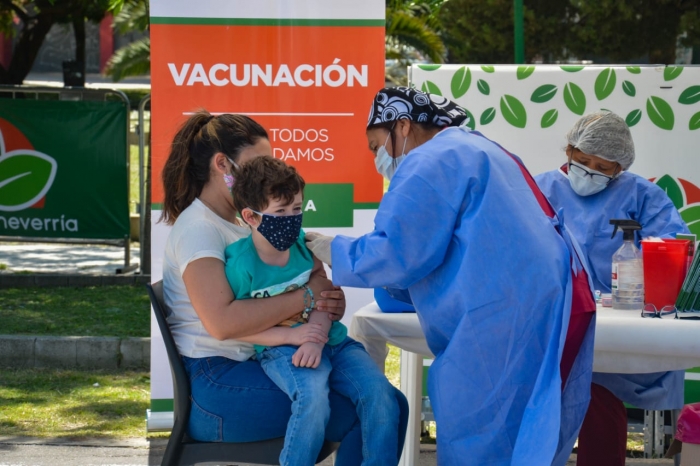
(627, 271)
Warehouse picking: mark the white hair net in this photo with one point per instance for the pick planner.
(605, 135)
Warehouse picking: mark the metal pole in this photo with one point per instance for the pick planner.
(142, 181)
(518, 32)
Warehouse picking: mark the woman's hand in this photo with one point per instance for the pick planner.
(332, 302)
(307, 333)
(329, 298)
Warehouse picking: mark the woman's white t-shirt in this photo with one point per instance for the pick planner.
(197, 233)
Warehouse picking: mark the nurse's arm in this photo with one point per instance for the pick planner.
(413, 229)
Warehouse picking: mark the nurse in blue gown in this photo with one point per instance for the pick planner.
(490, 277)
(593, 187)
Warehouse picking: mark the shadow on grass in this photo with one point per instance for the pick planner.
(44, 402)
(108, 411)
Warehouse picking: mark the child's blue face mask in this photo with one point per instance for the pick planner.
(281, 231)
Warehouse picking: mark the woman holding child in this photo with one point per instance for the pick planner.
(233, 400)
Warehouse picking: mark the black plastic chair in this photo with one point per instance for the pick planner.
(181, 449)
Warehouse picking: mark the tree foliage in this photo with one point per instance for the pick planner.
(133, 59)
(613, 30)
(482, 30)
(413, 25)
(35, 19)
(629, 29)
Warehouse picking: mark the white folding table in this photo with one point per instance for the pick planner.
(624, 343)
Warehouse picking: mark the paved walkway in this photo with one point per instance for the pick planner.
(63, 258)
(26, 451)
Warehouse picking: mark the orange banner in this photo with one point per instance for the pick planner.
(311, 87)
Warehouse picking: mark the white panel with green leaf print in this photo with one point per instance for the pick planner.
(529, 109)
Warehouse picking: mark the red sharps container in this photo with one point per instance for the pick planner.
(665, 267)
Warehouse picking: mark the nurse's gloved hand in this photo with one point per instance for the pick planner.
(320, 245)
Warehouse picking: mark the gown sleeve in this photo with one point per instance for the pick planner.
(413, 228)
(659, 217)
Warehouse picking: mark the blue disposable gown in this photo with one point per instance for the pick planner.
(588, 218)
(490, 279)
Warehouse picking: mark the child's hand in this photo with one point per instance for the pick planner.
(308, 333)
(308, 355)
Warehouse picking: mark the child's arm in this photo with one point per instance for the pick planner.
(309, 354)
(321, 318)
(296, 336)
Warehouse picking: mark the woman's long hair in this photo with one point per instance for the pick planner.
(188, 166)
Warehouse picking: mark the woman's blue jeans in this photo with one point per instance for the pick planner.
(351, 372)
(235, 401)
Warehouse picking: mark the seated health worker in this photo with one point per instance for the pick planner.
(465, 230)
(274, 260)
(232, 398)
(593, 187)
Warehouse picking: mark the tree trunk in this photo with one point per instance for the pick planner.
(29, 41)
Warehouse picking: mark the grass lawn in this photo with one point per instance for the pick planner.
(59, 403)
(53, 403)
(119, 311)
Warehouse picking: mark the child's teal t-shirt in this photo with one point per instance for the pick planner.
(250, 277)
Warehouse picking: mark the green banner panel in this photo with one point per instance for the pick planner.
(328, 205)
(162, 405)
(63, 169)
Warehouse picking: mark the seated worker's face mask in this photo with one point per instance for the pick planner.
(585, 181)
(386, 165)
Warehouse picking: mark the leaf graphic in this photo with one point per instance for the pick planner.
(483, 87)
(634, 69)
(471, 122)
(690, 95)
(513, 111)
(633, 117)
(25, 177)
(629, 88)
(572, 68)
(430, 88)
(544, 93)
(574, 98)
(694, 122)
(605, 83)
(672, 189)
(461, 81)
(691, 216)
(549, 118)
(672, 72)
(488, 116)
(488, 69)
(429, 67)
(660, 112)
(525, 71)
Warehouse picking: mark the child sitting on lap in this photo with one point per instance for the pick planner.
(272, 260)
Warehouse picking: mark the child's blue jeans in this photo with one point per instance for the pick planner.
(348, 369)
(234, 401)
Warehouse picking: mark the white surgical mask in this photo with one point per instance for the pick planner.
(385, 164)
(583, 183)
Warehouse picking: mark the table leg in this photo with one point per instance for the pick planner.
(412, 387)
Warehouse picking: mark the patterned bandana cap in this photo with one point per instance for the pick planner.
(281, 231)
(395, 103)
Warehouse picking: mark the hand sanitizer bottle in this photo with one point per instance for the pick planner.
(627, 269)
